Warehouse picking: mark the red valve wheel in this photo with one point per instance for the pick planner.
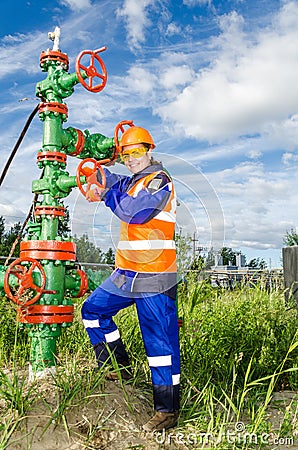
(120, 127)
(23, 269)
(91, 71)
(84, 283)
(90, 174)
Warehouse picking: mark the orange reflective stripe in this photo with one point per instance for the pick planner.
(151, 261)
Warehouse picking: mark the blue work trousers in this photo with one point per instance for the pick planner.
(159, 327)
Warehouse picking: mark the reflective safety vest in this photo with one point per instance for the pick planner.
(149, 247)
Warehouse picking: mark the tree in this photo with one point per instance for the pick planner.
(290, 238)
(228, 256)
(2, 236)
(109, 256)
(2, 227)
(7, 238)
(87, 251)
(198, 263)
(257, 263)
(210, 259)
(184, 251)
(63, 225)
(10, 238)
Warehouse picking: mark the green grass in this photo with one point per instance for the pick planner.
(237, 348)
(243, 328)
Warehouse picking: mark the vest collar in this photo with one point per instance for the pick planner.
(143, 173)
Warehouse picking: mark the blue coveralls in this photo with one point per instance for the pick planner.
(153, 294)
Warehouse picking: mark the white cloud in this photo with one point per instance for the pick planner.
(254, 154)
(136, 17)
(176, 76)
(290, 159)
(26, 47)
(14, 39)
(253, 200)
(173, 29)
(11, 214)
(250, 82)
(140, 80)
(197, 2)
(76, 5)
(283, 133)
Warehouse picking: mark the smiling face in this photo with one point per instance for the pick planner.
(136, 157)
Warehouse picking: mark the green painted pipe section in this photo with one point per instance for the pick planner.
(43, 346)
(51, 132)
(62, 279)
(65, 183)
(96, 145)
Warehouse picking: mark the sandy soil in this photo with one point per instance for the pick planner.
(112, 419)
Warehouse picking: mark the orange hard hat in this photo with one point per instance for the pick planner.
(136, 135)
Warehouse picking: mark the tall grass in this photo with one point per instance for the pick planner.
(237, 348)
(13, 340)
(248, 327)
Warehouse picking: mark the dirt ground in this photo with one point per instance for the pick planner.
(283, 410)
(112, 420)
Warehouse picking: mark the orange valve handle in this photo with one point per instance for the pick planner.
(25, 279)
(120, 127)
(91, 71)
(84, 283)
(90, 174)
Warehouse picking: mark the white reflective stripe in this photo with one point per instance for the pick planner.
(174, 204)
(138, 188)
(165, 216)
(159, 361)
(111, 337)
(91, 323)
(156, 244)
(176, 379)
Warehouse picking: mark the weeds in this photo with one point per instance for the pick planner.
(7, 428)
(247, 324)
(72, 389)
(238, 347)
(16, 392)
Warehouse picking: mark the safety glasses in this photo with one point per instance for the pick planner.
(134, 152)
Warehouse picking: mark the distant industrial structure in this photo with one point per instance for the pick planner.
(240, 262)
(230, 275)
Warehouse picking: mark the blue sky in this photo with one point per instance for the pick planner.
(214, 81)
